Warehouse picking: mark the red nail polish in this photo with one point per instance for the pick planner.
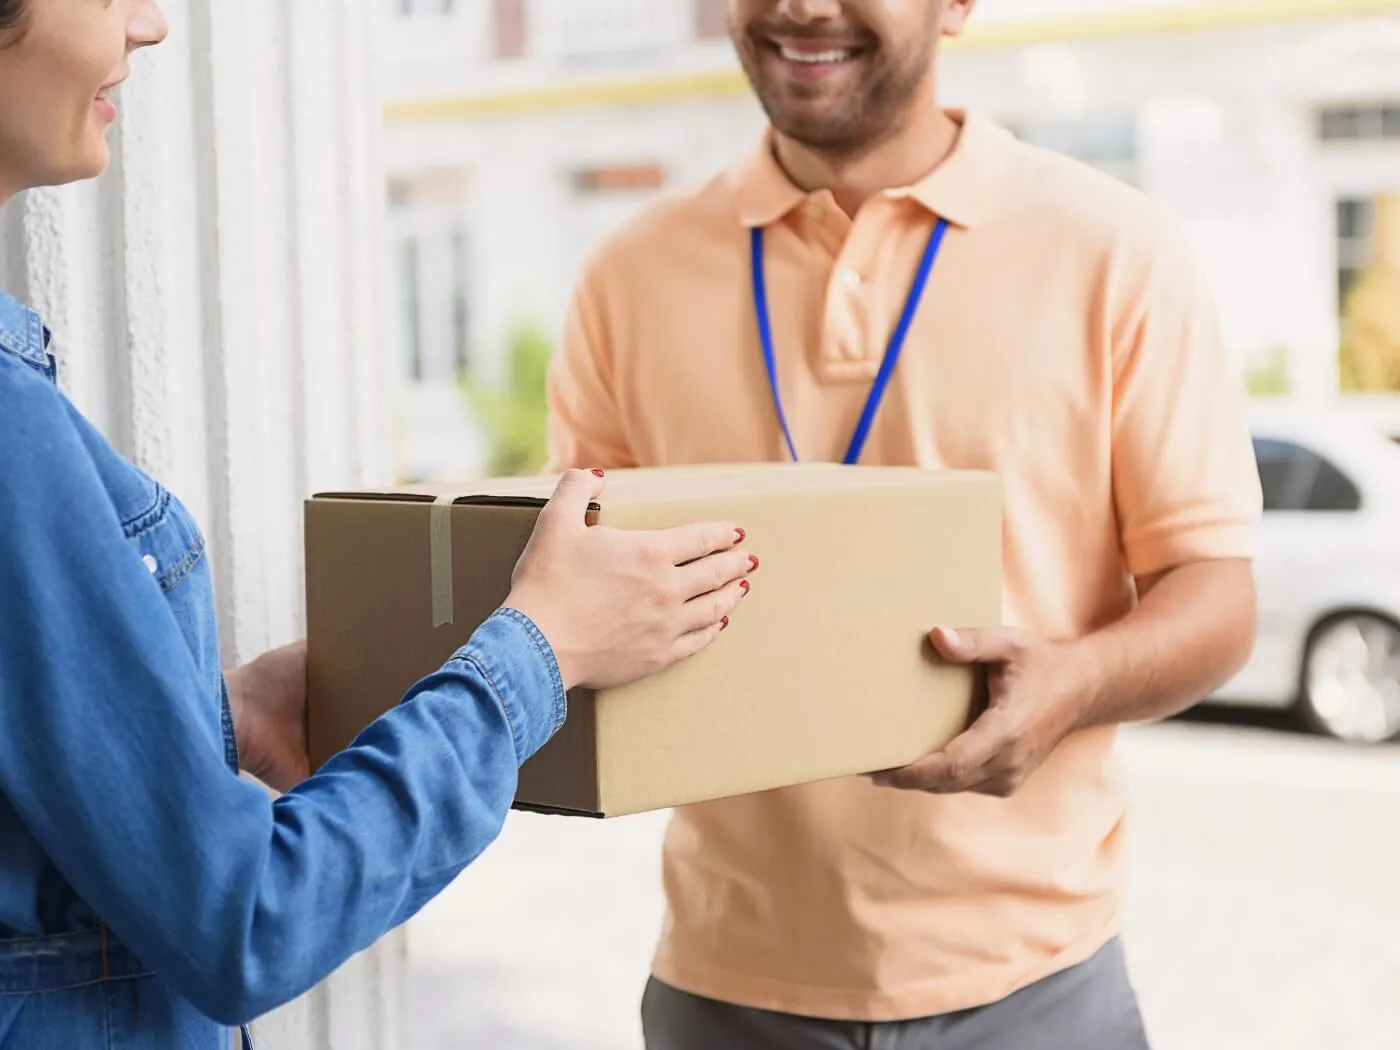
(724, 624)
(744, 586)
(597, 473)
(753, 563)
(739, 535)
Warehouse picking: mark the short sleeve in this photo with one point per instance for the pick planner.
(1185, 483)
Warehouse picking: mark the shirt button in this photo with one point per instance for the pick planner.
(150, 562)
(852, 280)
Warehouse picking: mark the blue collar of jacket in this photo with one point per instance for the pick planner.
(22, 332)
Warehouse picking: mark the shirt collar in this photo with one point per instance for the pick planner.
(964, 189)
(22, 333)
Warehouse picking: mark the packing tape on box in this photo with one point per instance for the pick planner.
(440, 557)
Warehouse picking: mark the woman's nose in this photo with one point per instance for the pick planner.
(147, 27)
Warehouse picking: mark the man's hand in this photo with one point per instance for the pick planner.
(268, 700)
(1192, 630)
(1037, 693)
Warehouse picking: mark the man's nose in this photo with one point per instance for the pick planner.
(809, 10)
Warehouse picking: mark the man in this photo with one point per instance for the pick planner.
(1063, 339)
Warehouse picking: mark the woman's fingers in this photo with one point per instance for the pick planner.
(713, 608)
(708, 616)
(687, 645)
(690, 542)
(713, 573)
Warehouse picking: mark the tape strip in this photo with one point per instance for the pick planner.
(440, 558)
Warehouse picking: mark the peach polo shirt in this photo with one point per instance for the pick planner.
(1065, 341)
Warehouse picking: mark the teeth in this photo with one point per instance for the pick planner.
(815, 57)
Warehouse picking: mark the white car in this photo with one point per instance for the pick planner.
(1328, 573)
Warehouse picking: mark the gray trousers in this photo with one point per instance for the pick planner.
(1091, 1006)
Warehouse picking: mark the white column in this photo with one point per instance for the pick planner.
(216, 306)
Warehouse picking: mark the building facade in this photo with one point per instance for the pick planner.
(521, 131)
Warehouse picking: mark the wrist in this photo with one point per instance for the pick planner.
(235, 687)
(570, 665)
(1092, 660)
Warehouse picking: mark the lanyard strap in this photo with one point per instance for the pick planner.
(892, 351)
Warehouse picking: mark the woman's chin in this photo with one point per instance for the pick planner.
(91, 163)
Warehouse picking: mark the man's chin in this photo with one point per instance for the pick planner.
(821, 134)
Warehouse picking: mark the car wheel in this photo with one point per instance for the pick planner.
(1351, 679)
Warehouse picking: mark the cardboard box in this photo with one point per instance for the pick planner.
(825, 671)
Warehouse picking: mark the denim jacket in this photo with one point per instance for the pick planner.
(149, 897)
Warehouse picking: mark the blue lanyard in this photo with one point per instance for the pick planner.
(896, 344)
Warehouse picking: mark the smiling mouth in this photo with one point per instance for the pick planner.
(827, 56)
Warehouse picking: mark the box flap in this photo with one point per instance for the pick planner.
(666, 484)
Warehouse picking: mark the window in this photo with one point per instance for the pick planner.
(432, 272)
(411, 275)
(1108, 143)
(1297, 479)
(1365, 122)
(1356, 222)
(508, 17)
(605, 31)
(407, 8)
(461, 318)
(711, 19)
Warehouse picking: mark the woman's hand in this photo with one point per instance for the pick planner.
(268, 700)
(617, 606)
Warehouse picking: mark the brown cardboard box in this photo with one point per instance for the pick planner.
(824, 672)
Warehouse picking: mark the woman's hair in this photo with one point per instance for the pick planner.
(12, 14)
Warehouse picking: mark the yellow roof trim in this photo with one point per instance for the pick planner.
(1201, 15)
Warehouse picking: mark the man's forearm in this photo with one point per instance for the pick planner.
(1192, 630)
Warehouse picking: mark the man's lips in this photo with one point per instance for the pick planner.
(814, 53)
(834, 54)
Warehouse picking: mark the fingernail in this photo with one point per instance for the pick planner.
(598, 472)
(753, 563)
(880, 781)
(724, 624)
(739, 535)
(949, 636)
(744, 586)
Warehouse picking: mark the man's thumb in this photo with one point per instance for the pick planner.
(973, 644)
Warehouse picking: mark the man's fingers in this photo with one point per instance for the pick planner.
(959, 765)
(686, 543)
(572, 495)
(714, 572)
(973, 645)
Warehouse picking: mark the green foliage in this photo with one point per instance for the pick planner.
(1268, 376)
(1369, 358)
(514, 413)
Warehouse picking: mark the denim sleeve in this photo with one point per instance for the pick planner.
(240, 902)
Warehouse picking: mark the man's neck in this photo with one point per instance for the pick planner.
(904, 158)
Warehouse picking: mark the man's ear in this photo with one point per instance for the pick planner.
(955, 16)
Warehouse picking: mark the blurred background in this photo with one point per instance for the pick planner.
(1266, 885)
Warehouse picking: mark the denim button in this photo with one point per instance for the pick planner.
(150, 562)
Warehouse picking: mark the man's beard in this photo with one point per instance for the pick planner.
(852, 125)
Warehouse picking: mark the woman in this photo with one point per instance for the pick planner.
(149, 896)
